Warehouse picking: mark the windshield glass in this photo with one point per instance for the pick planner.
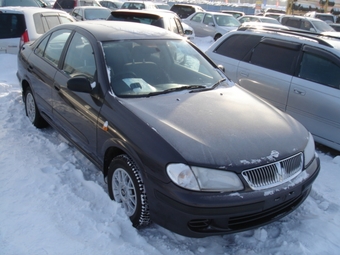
(150, 67)
(93, 14)
(322, 26)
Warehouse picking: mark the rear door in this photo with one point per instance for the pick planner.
(43, 67)
(314, 97)
(269, 69)
(12, 27)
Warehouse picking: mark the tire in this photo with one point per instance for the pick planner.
(32, 111)
(126, 186)
(217, 37)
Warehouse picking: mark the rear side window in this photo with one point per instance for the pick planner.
(237, 46)
(276, 55)
(44, 23)
(56, 45)
(291, 22)
(12, 25)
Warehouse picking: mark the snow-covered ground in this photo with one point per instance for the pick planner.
(54, 201)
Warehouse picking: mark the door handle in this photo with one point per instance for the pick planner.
(299, 92)
(244, 74)
(30, 68)
(56, 87)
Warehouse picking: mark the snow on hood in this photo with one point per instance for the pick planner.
(222, 128)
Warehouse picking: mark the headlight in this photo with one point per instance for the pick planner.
(309, 152)
(203, 179)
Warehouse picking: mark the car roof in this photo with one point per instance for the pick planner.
(28, 9)
(156, 12)
(90, 7)
(298, 35)
(120, 30)
(215, 13)
(188, 5)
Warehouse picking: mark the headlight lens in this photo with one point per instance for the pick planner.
(309, 151)
(203, 179)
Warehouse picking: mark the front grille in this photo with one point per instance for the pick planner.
(274, 174)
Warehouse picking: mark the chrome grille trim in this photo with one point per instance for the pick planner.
(274, 174)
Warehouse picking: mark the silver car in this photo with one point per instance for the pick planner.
(214, 24)
(298, 74)
(305, 23)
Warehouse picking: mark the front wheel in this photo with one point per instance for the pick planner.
(32, 111)
(218, 36)
(125, 186)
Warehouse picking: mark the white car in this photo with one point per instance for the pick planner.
(214, 24)
(19, 25)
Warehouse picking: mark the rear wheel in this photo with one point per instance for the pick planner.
(32, 111)
(126, 187)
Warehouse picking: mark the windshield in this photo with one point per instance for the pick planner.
(322, 26)
(151, 67)
(93, 14)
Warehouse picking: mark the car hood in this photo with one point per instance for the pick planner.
(224, 128)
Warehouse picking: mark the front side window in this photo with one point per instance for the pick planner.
(208, 19)
(56, 45)
(79, 60)
(320, 69)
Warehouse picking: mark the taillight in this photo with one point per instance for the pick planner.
(74, 3)
(24, 38)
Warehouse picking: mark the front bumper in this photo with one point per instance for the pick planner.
(199, 214)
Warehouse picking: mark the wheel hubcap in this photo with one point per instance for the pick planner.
(30, 107)
(124, 191)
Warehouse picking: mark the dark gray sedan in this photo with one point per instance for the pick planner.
(179, 143)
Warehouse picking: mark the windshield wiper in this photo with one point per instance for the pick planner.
(210, 88)
(176, 89)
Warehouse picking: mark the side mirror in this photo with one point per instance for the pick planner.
(221, 67)
(79, 84)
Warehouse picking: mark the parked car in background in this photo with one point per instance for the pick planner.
(162, 6)
(82, 13)
(255, 18)
(185, 10)
(68, 5)
(111, 4)
(236, 14)
(32, 3)
(305, 23)
(138, 5)
(19, 25)
(296, 72)
(261, 25)
(131, 97)
(327, 17)
(160, 18)
(214, 24)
